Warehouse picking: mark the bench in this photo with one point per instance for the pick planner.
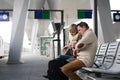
(100, 54)
(107, 59)
(111, 63)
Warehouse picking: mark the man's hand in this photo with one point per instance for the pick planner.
(75, 52)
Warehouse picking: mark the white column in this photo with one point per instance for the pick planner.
(106, 20)
(19, 19)
(34, 35)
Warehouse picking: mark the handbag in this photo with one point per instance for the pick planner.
(69, 51)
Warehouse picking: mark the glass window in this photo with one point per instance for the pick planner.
(115, 4)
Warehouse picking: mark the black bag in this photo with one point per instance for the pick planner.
(54, 72)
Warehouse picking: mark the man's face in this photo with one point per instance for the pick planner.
(81, 30)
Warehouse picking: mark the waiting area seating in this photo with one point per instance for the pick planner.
(100, 55)
(107, 60)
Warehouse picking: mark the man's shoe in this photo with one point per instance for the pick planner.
(45, 76)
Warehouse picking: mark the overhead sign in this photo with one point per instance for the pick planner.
(84, 14)
(42, 14)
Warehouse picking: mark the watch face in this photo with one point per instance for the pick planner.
(116, 17)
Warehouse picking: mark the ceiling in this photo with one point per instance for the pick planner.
(68, 6)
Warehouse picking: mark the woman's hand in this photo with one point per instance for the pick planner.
(73, 43)
(64, 49)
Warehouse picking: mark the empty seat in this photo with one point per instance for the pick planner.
(111, 61)
(100, 55)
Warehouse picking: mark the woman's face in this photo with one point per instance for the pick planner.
(72, 32)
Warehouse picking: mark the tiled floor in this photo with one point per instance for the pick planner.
(34, 67)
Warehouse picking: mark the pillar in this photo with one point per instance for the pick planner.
(17, 33)
(105, 21)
